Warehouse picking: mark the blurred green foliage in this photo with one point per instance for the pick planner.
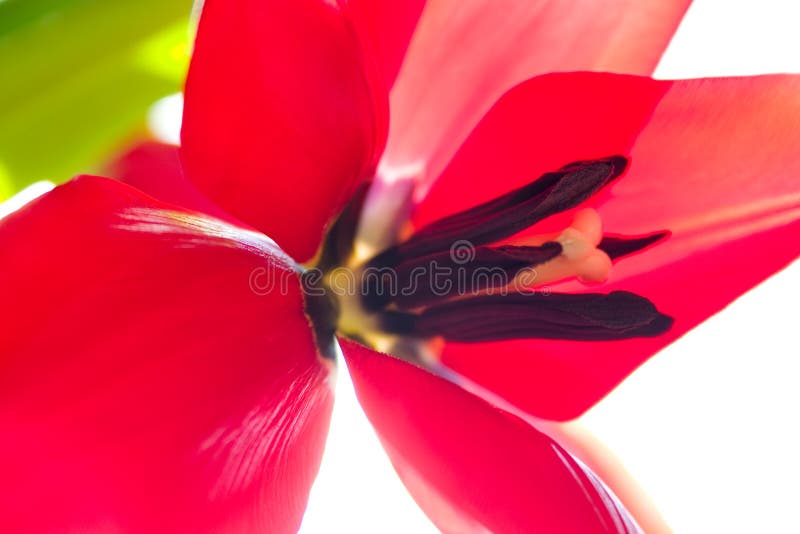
(77, 78)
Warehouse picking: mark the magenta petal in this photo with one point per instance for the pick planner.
(388, 26)
(537, 127)
(149, 382)
(284, 115)
(155, 168)
(470, 466)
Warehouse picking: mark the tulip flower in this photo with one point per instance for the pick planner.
(169, 346)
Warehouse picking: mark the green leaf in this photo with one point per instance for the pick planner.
(78, 78)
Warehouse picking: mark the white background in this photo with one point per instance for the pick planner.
(709, 426)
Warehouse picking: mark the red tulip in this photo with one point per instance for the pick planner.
(165, 371)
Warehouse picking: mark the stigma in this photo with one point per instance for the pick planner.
(580, 256)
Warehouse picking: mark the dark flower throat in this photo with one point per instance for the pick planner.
(450, 279)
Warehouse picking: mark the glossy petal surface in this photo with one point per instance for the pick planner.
(712, 161)
(284, 115)
(466, 54)
(144, 385)
(470, 466)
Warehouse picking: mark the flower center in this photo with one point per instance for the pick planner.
(467, 278)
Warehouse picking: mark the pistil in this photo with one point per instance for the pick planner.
(580, 256)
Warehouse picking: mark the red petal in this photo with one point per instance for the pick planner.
(470, 466)
(155, 168)
(145, 386)
(464, 55)
(282, 118)
(539, 126)
(388, 25)
(715, 164)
